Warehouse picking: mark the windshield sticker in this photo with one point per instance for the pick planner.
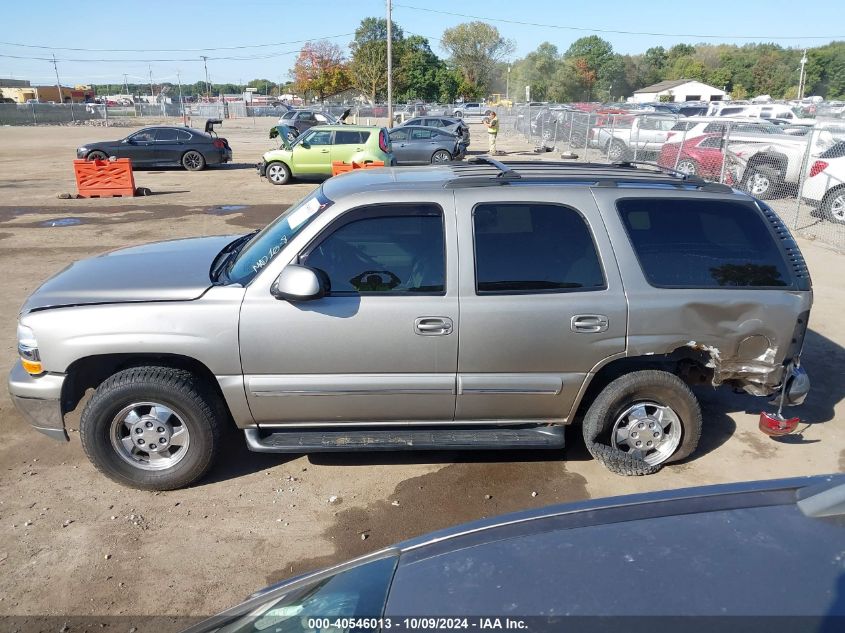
(303, 213)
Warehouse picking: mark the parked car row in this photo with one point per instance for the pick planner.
(311, 141)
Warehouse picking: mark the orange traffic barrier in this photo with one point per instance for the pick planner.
(104, 178)
(339, 167)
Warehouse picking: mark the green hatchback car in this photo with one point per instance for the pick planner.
(312, 154)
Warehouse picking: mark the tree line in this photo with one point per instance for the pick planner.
(475, 66)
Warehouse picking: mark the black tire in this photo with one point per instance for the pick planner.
(199, 408)
(292, 135)
(763, 182)
(458, 114)
(440, 156)
(616, 151)
(833, 205)
(192, 160)
(277, 173)
(96, 155)
(647, 385)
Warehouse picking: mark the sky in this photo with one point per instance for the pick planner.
(269, 35)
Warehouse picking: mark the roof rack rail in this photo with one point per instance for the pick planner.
(666, 170)
(505, 172)
(483, 171)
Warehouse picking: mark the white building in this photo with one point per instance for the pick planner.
(678, 90)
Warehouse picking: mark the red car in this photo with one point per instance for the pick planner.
(699, 155)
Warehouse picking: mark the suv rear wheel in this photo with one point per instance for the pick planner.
(641, 421)
(153, 428)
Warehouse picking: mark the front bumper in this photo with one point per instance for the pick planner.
(262, 169)
(38, 398)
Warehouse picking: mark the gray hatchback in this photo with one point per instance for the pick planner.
(461, 306)
(418, 145)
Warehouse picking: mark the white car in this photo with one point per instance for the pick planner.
(824, 186)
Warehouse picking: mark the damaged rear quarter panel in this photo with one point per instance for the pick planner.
(742, 334)
(739, 339)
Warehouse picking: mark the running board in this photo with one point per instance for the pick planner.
(417, 439)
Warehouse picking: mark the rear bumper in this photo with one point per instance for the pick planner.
(38, 398)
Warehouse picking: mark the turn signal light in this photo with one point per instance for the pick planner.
(32, 366)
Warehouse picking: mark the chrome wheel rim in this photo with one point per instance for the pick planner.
(648, 431)
(150, 436)
(441, 157)
(276, 173)
(837, 207)
(615, 152)
(192, 159)
(759, 183)
(687, 167)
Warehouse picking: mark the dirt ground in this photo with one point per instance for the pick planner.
(74, 543)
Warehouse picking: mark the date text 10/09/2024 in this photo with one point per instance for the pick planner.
(415, 624)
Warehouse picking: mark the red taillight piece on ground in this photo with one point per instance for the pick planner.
(775, 425)
(818, 167)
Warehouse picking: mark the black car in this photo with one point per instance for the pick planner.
(765, 556)
(164, 145)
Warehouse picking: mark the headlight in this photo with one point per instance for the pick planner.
(28, 351)
(82, 149)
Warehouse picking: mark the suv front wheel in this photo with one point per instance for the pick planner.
(153, 428)
(641, 421)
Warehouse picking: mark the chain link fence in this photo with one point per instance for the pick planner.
(799, 170)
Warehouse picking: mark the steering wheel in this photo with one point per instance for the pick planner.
(372, 280)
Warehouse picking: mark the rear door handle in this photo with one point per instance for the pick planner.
(433, 326)
(589, 323)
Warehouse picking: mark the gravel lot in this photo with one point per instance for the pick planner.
(73, 543)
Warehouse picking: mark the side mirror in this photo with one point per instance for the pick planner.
(304, 144)
(298, 283)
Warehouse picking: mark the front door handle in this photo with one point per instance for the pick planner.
(589, 323)
(324, 151)
(433, 326)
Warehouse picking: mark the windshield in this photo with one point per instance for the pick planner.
(358, 594)
(262, 248)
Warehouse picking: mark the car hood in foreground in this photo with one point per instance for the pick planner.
(176, 270)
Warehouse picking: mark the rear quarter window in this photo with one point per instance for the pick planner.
(687, 243)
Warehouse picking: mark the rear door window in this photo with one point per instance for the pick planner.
(686, 243)
(533, 248)
(354, 137)
(420, 134)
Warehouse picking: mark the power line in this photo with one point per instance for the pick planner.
(148, 61)
(172, 50)
(595, 30)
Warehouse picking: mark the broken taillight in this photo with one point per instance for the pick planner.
(219, 143)
(775, 425)
(818, 167)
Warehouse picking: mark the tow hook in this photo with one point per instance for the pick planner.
(774, 424)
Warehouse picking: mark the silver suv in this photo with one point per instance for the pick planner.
(462, 306)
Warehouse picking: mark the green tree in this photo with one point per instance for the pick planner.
(474, 49)
(368, 67)
(418, 70)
